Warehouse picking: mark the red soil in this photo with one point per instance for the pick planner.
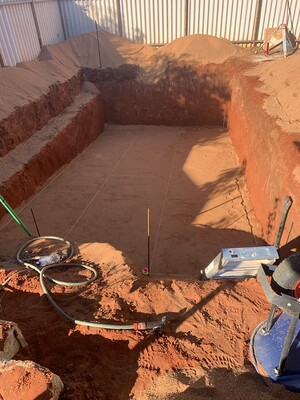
(203, 347)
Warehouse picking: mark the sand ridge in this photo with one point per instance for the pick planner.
(279, 80)
(57, 63)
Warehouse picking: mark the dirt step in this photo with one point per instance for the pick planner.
(25, 120)
(34, 160)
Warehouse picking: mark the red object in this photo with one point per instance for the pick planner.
(267, 48)
(145, 271)
(297, 291)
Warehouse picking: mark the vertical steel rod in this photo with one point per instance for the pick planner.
(148, 226)
(286, 206)
(35, 223)
(98, 44)
(186, 17)
(120, 25)
(62, 20)
(1, 61)
(269, 324)
(257, 20)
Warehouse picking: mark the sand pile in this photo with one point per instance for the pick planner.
(203, 49)
(25, 380)
(83, 51)
(58, 63)
(19, 87)
(280, 80)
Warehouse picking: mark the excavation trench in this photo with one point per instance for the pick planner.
(186, 95)
(118, 365)
(219, 95)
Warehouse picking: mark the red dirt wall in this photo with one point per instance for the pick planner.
(85, 127)
(185, 96)
(202, 95)
(24, 121)
(269, 157)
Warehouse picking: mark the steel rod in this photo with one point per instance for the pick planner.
(287, 205)
(62, 20)
(100, 62)
(148, 229)
(36, 24)
(269, 324)
(35, 223)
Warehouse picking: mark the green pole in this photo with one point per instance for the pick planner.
(14, 215)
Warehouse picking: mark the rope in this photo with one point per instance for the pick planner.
(165, 198)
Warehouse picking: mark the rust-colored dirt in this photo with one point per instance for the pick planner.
(24, 121)
(185, 96)
(190, 179)
(216, 94)
(203, 348)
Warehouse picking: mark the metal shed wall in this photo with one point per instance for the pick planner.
(161, 21)
(19, 40)
(49, 22)
(26, 25)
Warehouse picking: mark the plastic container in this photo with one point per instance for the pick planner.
(47, 260)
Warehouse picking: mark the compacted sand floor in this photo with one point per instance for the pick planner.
(188, 177)
(193, 185)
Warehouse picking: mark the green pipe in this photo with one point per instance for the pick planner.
(14, 215)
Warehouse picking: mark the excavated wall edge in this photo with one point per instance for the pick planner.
(209, 95)
(83, 126)
(269, 157)
(189, 95)
(24, 121)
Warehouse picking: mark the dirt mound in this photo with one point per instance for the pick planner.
(92, 51)
(204, 343)
(28, 81)
(60, 62)
(19, 87)
(204, 49)
(57, 63)
(280, 80)
(25, 380)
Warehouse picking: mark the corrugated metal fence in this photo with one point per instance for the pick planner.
(27, 25)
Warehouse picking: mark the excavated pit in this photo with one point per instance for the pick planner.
(187, 95)
(205, 344)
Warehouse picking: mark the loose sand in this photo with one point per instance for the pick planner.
(203, 352)
(279, 80)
